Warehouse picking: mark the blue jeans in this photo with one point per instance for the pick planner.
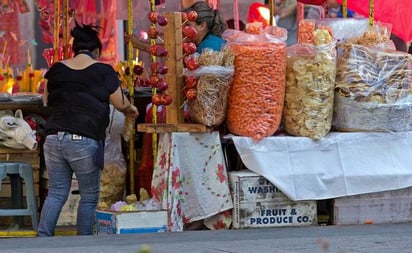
(64, 155)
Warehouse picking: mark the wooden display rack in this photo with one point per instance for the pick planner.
(174, 77)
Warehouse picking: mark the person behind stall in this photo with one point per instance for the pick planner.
(209, 26)
(332, 10)
(286, 17)
(77, 97)
(231, 24)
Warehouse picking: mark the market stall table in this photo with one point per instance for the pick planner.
(190, 180)
(340, 164)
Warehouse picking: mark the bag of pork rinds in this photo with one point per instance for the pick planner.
(257, 93)
(212, 91)
(309, 95)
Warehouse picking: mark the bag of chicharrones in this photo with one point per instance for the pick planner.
(373, 86)
(211, 83)
(257, 94)
(113, 177)
(310, 83)
(373, 90)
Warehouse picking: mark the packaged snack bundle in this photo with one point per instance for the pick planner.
(257, 94)
(113, 178)
(310, 84)
(214, 78)
(373, 89)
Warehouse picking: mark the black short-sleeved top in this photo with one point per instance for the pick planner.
(79, 100)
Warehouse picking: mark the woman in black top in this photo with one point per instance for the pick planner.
(78, 93)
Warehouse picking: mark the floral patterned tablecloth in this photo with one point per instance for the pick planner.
(190, 180)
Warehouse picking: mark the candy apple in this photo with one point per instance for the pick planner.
(138, 70)
(153, 80)
(152, 32)
(156, 99)
(189, 47)
(162, 85)
(127, 71)
(158, 68)
(166, 99)
(191, 94)
(192, 16)
(190, 82)
(189, 32)
(162, 20)
(192, 64)
(184, 17)
(157, 50)
(144, 82)
(153, 16)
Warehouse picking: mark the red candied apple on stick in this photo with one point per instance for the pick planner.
(157, 50)
(153, 15)
(192, 16)
(162, 20)
(190, 82)
(152, 32)
(189, 32)
(158, 68)
(189, 48)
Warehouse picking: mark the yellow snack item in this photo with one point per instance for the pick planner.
(143, 194)
(132, 198)
(102, 205)
(128, 208)
(322, 36)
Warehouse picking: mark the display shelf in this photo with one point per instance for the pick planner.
(174, 61)
(26, 107)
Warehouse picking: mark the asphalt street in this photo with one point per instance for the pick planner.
(376, 238)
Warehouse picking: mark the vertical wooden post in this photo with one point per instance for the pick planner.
(371, 12)
(66, 19)
(131, 93)
(56, 30)
(345, 8)
(174, 61)
(272, 11)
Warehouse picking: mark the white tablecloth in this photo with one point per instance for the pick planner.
(341, 164)
(190, 180)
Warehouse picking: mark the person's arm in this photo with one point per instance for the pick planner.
(137, 43)
(122, 103)
(288, 10)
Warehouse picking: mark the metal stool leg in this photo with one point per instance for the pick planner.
(26, 172)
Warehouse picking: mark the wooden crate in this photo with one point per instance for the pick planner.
(20, 155)
(380, 207)
(259, 204)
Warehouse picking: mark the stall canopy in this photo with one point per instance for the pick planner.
(395, 12)
(398, 13)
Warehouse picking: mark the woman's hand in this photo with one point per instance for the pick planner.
(131, 111)
(133, 38)
(136, 42)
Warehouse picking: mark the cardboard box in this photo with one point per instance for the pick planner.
(380, 207)
(258, 203)
(111, 222)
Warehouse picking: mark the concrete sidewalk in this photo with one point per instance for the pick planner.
(385, 238)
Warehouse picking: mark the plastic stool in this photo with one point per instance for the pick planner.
(25, 171)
